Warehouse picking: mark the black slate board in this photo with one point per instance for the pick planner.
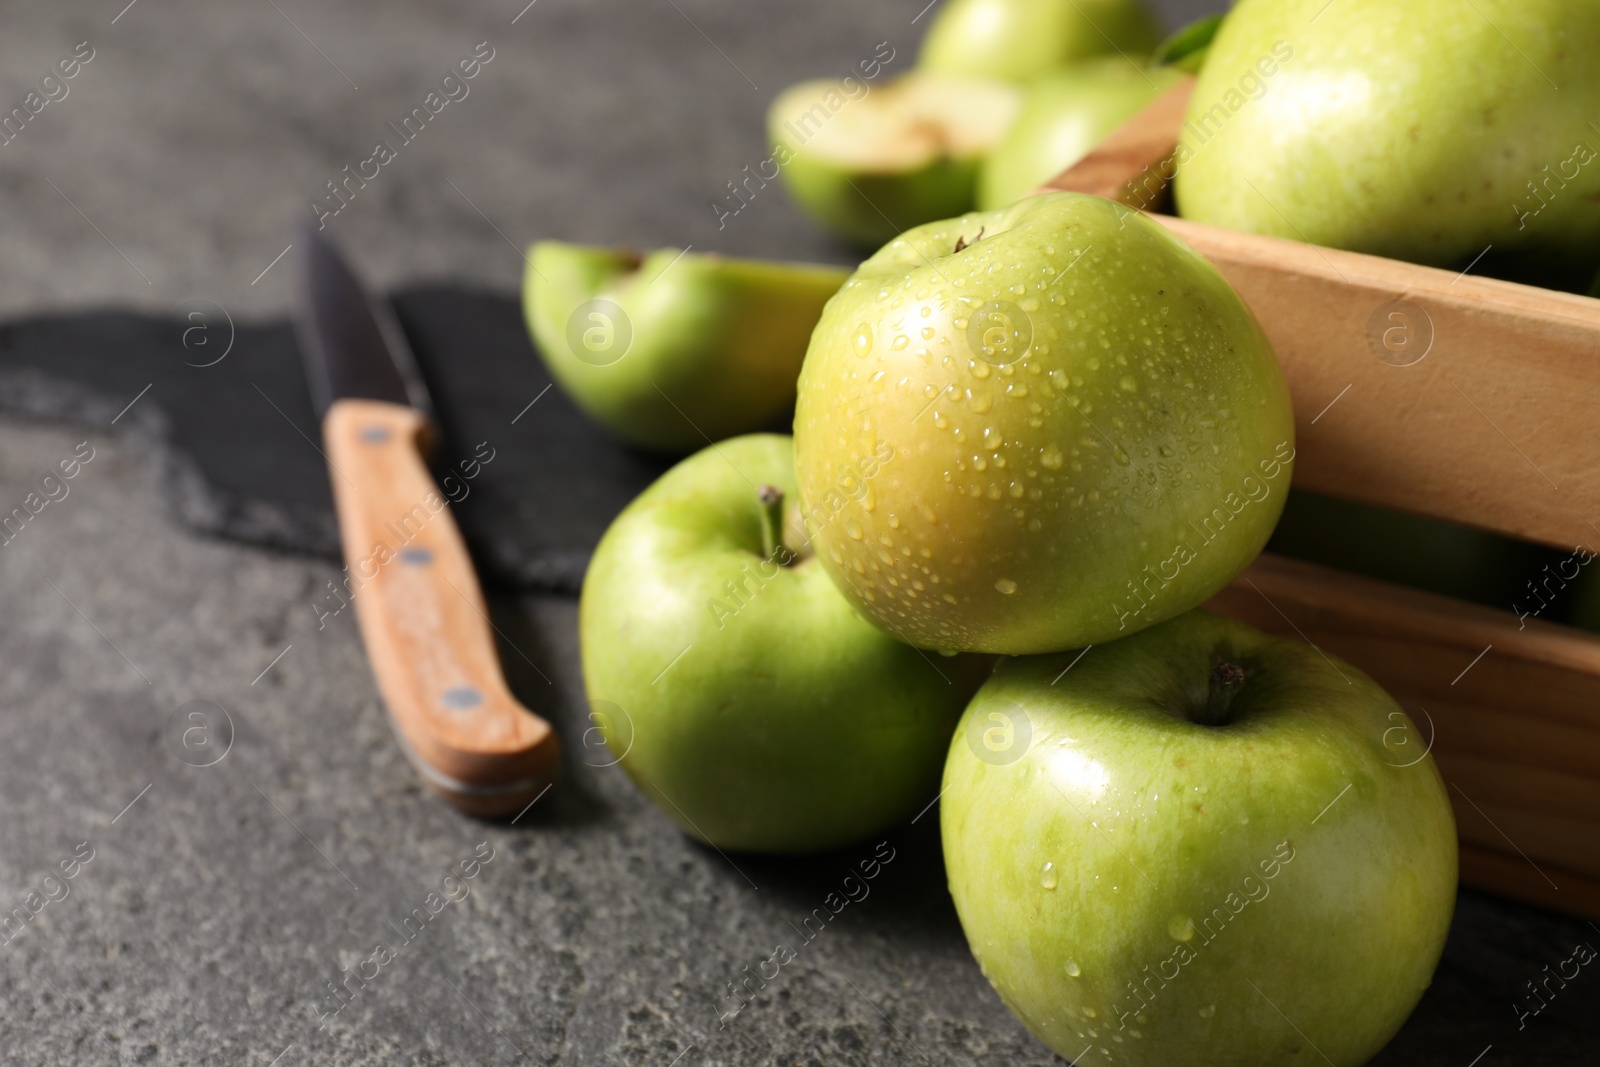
(227, 404)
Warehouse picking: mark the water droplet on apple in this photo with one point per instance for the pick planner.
(863, 341)
(1050, 457)
(1208, 1011)
(1090, 1013)
(1047, 877)
(900, 342)
(1181, 928)
(1072, 969)
(853, 528)
(1006, 586)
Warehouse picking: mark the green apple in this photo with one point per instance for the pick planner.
(1089, 432)
(1199, 845)
(1424, 131)
(1186, 47)
(1063, 116)
(1021, 39)
(738, 688)
(672, 349)
(870, 162)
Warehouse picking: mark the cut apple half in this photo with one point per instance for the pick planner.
(871, 162)
(902, 126)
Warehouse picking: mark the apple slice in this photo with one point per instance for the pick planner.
(869, 163)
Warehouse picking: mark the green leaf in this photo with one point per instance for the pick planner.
(1186, 49)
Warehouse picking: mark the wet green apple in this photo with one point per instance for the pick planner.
(1199, 845)
(1021, 39)
(1425, 131)
(1063, 116)
(870, 162)
(738, 688)
(672, 349)
(1089, 432)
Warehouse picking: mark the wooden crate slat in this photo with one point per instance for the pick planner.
(1541, 841)
(1522, 742)
(1496, 426)
(1491, 782)
(1507, 874)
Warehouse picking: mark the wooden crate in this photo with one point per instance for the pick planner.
(1462, 398)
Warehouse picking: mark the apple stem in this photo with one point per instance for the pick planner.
(1226, 681)
(962, 242)
(772, 523)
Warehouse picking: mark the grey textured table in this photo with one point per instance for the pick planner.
(219, 902)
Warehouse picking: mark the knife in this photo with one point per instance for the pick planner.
(420, 609)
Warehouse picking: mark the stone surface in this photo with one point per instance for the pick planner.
(220, 900)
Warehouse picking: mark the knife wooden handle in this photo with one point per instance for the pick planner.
(423, 618)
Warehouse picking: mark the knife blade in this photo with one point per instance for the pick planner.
(420, 609)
